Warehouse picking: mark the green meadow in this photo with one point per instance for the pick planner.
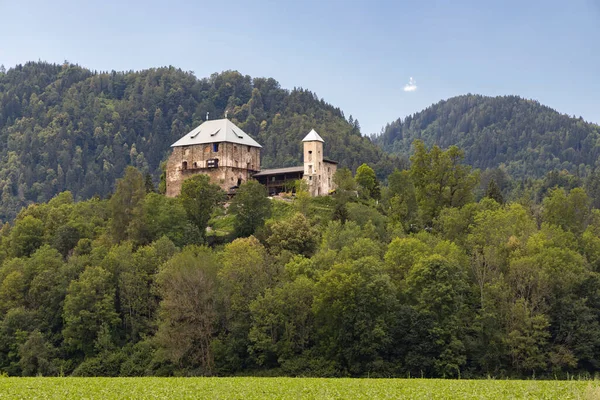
(291, 388)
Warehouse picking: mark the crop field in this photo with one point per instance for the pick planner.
(291, 388)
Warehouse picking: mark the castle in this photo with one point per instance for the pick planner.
(230, 157)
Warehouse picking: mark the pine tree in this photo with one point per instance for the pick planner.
(493, 192)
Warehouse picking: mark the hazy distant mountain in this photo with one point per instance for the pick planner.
(528, 138)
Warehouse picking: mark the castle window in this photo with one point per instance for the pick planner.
(186, 152)
(184, 165)
(215, 147)
(310, 178)
(234, 147)
(309, 155)
(248, 149)
(195, 165)
(212, 163)
(310, 169)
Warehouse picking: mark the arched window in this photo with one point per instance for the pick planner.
(184, 165)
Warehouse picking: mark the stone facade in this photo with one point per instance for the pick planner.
(230, 165)
(318, 172)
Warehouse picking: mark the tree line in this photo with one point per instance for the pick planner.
(422, 274)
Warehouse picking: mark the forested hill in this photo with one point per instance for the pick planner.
(64, 127)
(528, 138)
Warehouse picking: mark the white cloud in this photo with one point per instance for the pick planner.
(411, 86)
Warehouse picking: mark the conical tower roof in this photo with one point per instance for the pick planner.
(313, 136)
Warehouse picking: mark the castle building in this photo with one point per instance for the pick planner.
(230, 157)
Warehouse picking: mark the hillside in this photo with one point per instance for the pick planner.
(529, 139)
(64, 127)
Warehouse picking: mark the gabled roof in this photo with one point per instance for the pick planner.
(313, 136)
(215, 131)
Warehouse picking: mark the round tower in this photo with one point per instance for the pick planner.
(313, 163)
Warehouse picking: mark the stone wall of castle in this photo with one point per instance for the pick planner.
(227, 164)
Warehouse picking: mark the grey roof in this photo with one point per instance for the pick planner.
(215, 131)
(279, 171)
(313, 136)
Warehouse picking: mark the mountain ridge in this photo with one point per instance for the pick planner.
(521, 135)
(65, 127)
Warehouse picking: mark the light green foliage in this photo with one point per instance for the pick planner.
(346, 190)
(571, 212)
(251, 208)
(400, 200)
(367, 182)
(294, 235)
(26, 236)
(199, 198)
(89, 303)
(440, 179)
(165, 216)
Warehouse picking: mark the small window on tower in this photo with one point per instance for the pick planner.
(248, 149)
(309, 155)
(215, 147)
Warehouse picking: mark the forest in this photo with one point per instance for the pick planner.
(64, 127)
(429, 272)
(521, 136)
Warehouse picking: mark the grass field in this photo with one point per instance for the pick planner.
(291, 388)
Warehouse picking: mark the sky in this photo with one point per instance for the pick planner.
(376, 60)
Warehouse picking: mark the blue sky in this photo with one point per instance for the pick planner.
(357, 55)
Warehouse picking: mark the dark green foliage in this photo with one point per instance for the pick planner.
(127, 206)
(494, 193)
(529, 139)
